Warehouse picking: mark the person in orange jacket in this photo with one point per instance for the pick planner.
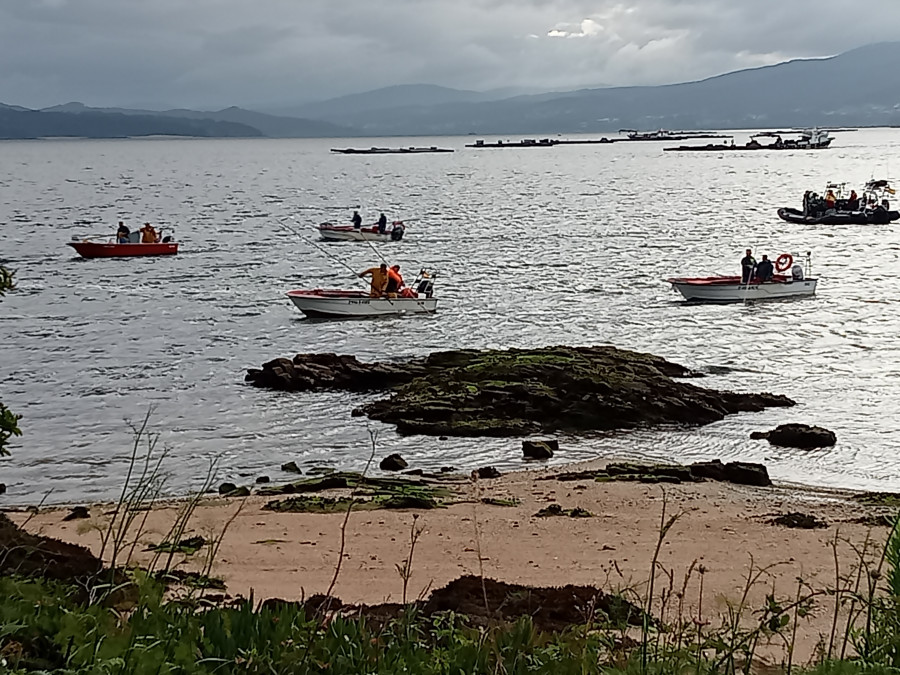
(395, 281)
(379, 280)
(148, 234)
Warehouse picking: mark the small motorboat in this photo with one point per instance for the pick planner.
(87, 248)
(873, 207)
(724, 289)
(331, 232)
(328, 303)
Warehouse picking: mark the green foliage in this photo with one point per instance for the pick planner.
(9, 427)
(9, 421)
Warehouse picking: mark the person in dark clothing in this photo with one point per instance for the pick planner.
(748, 263)
(765, 270)
(356, 220)
(382, 224)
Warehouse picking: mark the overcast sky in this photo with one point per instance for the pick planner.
(263, 53)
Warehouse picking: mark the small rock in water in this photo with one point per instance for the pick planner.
(539, 449)
(2, 488)
(798, 436)
(393, 462)
(242, 491)
(414, 472)
(448, 469)
(488, 472)
(226, 488)
(262, 479)
(442, 438)
(78, 513)
(291, 467)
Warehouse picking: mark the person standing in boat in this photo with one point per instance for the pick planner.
(830, 199)
(356, 220)
(379, 281)
(395, 281)
(853, 202)
(122, 233)
(382, 224)
(148, 234)
(748, 264)
(765, 270)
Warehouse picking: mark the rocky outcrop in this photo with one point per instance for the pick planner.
(797, 436)
(518, 392)
(742, 473)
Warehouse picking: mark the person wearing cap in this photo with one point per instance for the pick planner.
(395, 281)
(379, 280)
(748, 263)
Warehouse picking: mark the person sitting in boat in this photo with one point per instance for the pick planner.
(395, 281)
(356, 220)
(122, 233)
(382, 224)
(765, 270)
(379, 280)
(148, 234)
(748, 264)
(830, 199)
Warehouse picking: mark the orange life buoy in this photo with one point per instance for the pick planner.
(784, 262)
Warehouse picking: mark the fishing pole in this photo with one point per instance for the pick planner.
(320, 248)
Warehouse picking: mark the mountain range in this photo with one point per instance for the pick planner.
(857, 88)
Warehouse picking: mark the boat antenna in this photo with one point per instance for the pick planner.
(320, 248)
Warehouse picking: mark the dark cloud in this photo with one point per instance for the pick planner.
(213, 53)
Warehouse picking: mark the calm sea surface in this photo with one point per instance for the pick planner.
(534, 247)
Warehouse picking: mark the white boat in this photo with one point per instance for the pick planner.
(732, 289)
(325, 303)
(331, 232)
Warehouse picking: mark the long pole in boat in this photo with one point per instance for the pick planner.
(320, 248)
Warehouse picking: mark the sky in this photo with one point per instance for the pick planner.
(210, 54)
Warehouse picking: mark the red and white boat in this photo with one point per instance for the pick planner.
(331, 232)
(334, 303)
(88, 247)
(734, 289)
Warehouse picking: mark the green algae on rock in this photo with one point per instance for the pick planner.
(518, 392)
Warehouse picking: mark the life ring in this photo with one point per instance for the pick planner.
(784, 262)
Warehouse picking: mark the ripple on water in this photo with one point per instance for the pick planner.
(534, 248)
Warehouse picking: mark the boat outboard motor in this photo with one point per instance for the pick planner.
(797, 273)
(397, 231)
(426, 287)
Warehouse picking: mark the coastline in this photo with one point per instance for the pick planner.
(722, 533)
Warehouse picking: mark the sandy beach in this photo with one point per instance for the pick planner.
(722, 529)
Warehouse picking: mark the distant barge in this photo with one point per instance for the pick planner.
(814, 139)
(542, 143)
(389, 151)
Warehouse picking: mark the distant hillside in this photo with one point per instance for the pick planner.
(23, 123)
(398, 96)
(860, 87)
(267, 125)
